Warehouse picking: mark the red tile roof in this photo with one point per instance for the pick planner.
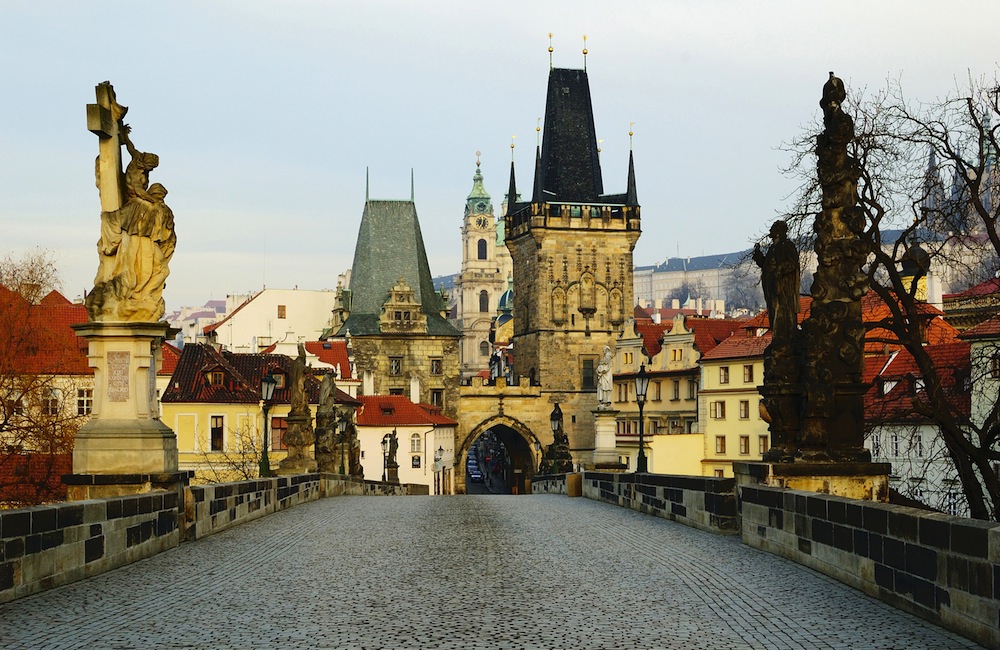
(398, 411)
(333, 353)
(987, 288)
(171, 354)
(739, 346)
(708, 332)
(37, 339)
(214, 326)
(761, 321)
(242, 377)
(895, 383)
(30, 479)
(987, 329)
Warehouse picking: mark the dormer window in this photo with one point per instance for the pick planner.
(216, 378)
(387, 411)
(279, 380)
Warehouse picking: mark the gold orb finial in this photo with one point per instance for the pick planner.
(584, 51)
(630, 134)
(478, 153)
(550, 50)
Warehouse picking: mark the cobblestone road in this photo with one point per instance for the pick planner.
(462, 572)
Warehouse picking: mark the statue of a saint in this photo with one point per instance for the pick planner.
(604, 378)
(780, 280)
(137, 228)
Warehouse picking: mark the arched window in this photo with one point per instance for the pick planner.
(482, 249)
(484, 301)
(484, 349)
(415, 443)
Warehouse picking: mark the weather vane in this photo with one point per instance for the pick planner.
(550, 50)
(630, 125)
(599, 141)
(538, 132)
(477, 158)
(584, 52)
(512, 138)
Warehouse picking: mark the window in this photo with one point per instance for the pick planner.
(917, 493)
(281, 311)
(719, 473)
(724, 374)
(918, 445)
(588, 374)
(436, 365)
(748, 374)
(415, 443)
(84, 401)
(717, 410)
(624, 460)
(744, 409)
(484, 349)
(481, 249)
(279, 380)
(278, 428)
(654, 390)
(216, 378)
(876, 445)
(484, 301)
(52, 403)
(395, 391)
(437, 397)
(395, 365)
(894, 444)
(745, 445)
(951, 504)
(216, 432)
(762, 445)
(995, 366)
(676, 354)
(720, 444)
(692, 389)
(677, 389)
(627, 358)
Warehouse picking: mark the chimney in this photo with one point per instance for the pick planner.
(656, 316)
(675, 304)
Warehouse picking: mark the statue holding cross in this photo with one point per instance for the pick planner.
(137, 227)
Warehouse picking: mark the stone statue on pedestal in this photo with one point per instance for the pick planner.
(299, 434)
(137, 227)
(604, 377)
(326, 434)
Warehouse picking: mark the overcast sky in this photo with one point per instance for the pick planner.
(266, 114)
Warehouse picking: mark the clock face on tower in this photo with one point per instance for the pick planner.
(482, 222)
(481, 206)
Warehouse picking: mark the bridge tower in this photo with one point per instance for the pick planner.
(571, 246)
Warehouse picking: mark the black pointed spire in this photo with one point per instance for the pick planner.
(511, 191)
(630, 195)
(570, 167)
(536, 195)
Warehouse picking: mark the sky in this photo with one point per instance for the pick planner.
(266, 115)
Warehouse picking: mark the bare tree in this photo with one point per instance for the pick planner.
(32, 275)
(240, 461)
(928, 182)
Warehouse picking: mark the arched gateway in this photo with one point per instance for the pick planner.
(509, 445)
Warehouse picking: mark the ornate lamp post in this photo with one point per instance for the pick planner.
(641, 385)
(385, 454)
(438, 469)
(555, 420)
(267, 385)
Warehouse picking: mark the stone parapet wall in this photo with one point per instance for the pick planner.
(548, 484)
(941, 568)
(47, 546)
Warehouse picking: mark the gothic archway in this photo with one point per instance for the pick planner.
(509, 438)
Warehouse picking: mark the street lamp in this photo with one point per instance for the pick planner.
(342, 427)
(438, 469)
(267, 385)
(385, 454)
(641, 384)
(555, 420)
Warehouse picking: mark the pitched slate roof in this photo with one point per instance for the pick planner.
(570, 169)
(398, 411)
(242, 376)
(391, 246)
(37, 338)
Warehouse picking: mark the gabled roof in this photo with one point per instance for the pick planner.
(243, 375)
(390, 246)
(171, 355)
(569, 169)
(987, 288)
(988, 329)
(398, 411)
(708, 332)
(37, 339)
(739, 346)
(896, 383)
(214, 326)
(333, 353)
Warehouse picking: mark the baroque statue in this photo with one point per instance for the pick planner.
(604, 377)
(299, 434)
(780, 277)
(137, 227)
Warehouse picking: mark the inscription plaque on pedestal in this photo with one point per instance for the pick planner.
(118, 369)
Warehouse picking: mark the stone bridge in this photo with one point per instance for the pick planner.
(543, 571)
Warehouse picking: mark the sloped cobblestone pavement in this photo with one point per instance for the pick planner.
(541, 571)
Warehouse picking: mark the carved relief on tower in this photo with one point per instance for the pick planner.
(559, 305)
(617, 300)
(588, 293)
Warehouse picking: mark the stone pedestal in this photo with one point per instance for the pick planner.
(124, 436)
(392, 473)
(605, 441)
(864, 481)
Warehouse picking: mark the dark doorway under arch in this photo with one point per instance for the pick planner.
(504, 460)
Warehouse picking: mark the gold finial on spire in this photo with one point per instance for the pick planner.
(512, 138)
(538, 132)
(478, 153)
(550, 50)
(599, 141)
(584, 52)
(630, 133)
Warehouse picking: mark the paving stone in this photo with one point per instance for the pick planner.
(507, 572)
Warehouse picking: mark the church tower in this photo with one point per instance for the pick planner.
(571, 246)
(486, 265)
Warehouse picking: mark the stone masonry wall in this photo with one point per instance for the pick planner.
(47, 546)
(941, 568)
